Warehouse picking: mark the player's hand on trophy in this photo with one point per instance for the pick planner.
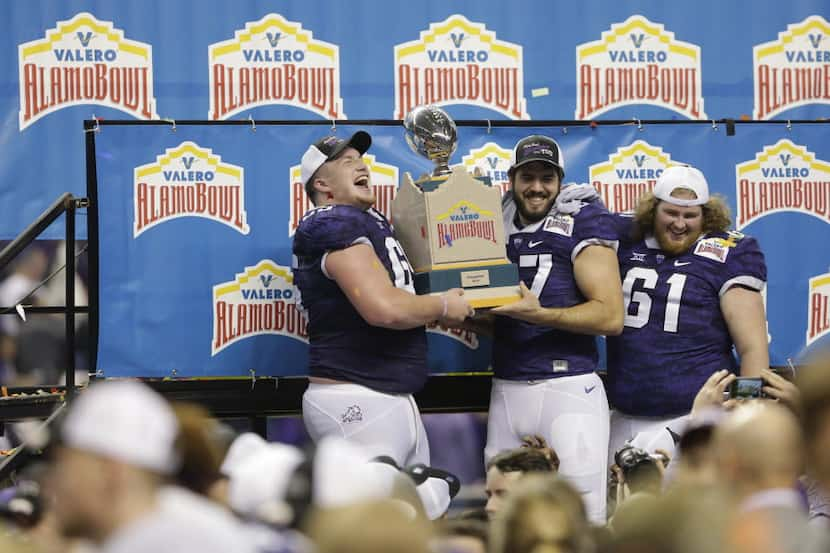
(525, 309)
(456, 308)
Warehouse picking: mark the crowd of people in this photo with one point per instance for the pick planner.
(701, 448)
(128, 471)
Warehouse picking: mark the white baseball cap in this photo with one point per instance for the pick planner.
(258, 483)
(685, 177)
(344, 475)
(127, 421)
(242, 447)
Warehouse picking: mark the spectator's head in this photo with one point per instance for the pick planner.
(696, 464)
(814, 386)
(639, 470)
(260, 484)
(758, 447)
(679, 210)
(201, 452)
(535, 174)
(371, 527)
(333, 171)
(543, 514)
(684, 520)
(240, 448)
(117, 446)
(461, 536)
(506, 468)
(277, 484)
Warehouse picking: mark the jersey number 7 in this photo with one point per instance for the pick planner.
(543, 263)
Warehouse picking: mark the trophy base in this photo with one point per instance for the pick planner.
(491, 297)
(484, 285)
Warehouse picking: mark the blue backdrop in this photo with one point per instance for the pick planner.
(64, 61)
(160, 303)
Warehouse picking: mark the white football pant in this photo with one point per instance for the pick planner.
(571, 413)
(382, 424)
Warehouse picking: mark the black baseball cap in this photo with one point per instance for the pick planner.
(537, 147)
(328, 148)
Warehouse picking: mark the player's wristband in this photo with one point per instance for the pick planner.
(445, 304)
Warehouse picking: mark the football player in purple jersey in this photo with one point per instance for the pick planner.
(544, 351)
(367, 353)
(692, 291)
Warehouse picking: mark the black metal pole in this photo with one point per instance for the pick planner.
(69, 274)
(32, 231)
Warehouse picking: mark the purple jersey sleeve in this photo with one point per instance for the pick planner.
(593, 226)
(743, 261)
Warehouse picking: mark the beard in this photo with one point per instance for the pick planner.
(532, 214)
(673, 247)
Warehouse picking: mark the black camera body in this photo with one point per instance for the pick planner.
(630, 457)
(639, 468)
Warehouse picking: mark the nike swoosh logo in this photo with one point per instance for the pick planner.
(533, 244)
(589, 390)
(681, 263)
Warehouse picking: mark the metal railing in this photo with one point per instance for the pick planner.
(66, 204)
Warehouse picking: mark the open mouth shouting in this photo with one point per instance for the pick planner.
(362, 182)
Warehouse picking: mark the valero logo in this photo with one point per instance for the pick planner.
(818, 314)
(189, 181)
(260, 300)
(793, 70)
(384, 180)
(274, 61)
(465, 220)
(466, 337)
(459, 62)
(638, 62)
(85, 61)
(782, 177)
(493, 161)
(629, 173)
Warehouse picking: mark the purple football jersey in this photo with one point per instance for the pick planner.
(675, 335)
(545, 252)
(343, 346)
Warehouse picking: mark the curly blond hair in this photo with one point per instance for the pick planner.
(716, 215)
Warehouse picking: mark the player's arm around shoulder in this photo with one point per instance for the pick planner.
(742, 306)
(597, 275)
(361, 276)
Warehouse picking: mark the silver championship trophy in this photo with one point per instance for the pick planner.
(430, 132)
(450, 223)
